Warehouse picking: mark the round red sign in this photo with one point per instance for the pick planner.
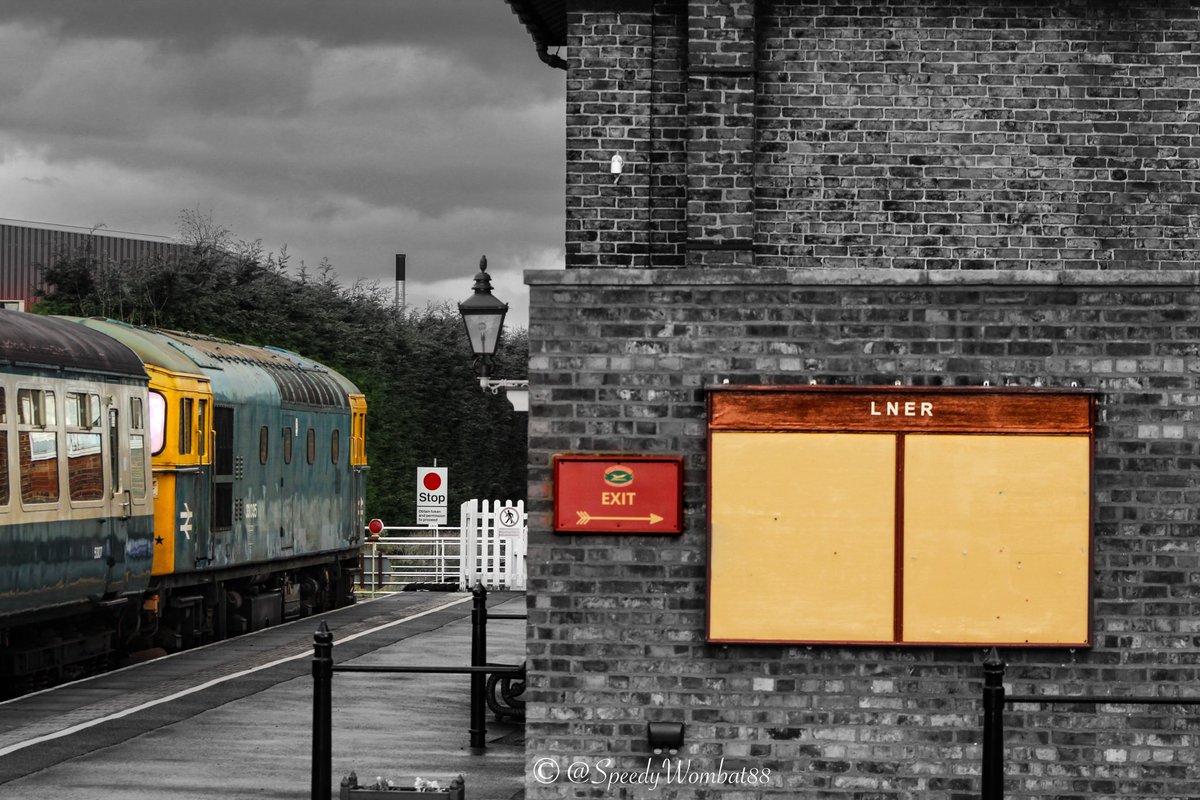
(432, 481)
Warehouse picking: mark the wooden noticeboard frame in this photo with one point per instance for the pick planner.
(900, 515)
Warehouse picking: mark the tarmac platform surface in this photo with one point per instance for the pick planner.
(233, 720)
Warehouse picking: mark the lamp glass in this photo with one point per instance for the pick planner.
(483, 328)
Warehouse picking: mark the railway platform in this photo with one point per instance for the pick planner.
(234, 719)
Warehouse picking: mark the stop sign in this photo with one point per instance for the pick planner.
(432, 495)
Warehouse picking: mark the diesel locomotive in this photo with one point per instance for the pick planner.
(160, 489)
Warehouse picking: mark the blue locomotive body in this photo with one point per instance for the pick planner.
(165, 489)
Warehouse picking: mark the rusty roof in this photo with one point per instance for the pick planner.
(58, 343)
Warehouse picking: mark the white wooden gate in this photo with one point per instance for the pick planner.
(492, 544)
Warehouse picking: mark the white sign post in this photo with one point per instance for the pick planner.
(432, 493)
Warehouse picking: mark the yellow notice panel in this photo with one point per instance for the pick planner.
(802, 545)
(996, 539)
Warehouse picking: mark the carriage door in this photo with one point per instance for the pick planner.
(222, 474)
(118, 465)
(288, 484)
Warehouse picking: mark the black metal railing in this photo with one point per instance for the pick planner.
(479, 670)
(994, 699)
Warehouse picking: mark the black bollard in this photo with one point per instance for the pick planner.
(992, 773)
(322, 751)
(478, 659)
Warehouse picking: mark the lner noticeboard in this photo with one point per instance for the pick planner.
(900, 515)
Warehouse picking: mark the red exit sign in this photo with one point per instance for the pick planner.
(618, 494)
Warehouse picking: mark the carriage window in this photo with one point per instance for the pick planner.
(114, 448)
(158, 423)
(202, 426)
(37, 449)
(186, 407)
(136, 420)
(39, 466)
(85, 460)
(312, 445)
(264, 444)
(35, 407)
(85, 466)
(287, 445)
(82, 410)
(75, 409)
(335, 446)
(137, 457)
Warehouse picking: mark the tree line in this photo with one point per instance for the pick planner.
(415, 368)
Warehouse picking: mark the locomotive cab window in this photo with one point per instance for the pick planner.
(202, 428)
(186, 410)
(85, 461)
(36, 446)
(158, 423)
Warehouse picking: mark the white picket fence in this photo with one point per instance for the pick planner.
(493, 544)
(488, 547)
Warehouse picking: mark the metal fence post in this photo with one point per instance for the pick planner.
(992, 772)
(378, 584)
(322, 750)
(478, 659)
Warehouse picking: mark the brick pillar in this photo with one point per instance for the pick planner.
(721, 84)
(668, 137)
(608, 113)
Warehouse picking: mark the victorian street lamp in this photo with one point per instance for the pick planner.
(483, 316)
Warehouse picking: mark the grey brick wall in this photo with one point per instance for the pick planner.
(619, 362)
(937, 134)
(608, 113)
(859, 192)
(952, 135)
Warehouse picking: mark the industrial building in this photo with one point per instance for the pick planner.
(26, 248)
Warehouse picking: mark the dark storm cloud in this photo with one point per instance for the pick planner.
(472, 29)
(344, 129)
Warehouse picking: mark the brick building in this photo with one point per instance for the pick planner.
(936, 193)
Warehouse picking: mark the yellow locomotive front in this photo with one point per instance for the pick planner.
(259, 464)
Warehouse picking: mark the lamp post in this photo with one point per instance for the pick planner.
(483, 316)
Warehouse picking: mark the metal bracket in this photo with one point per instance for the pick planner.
(517, 392)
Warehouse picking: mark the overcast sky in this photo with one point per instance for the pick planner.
(347, 129)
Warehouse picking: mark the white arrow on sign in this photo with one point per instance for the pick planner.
(585, 518)
(185, 526)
